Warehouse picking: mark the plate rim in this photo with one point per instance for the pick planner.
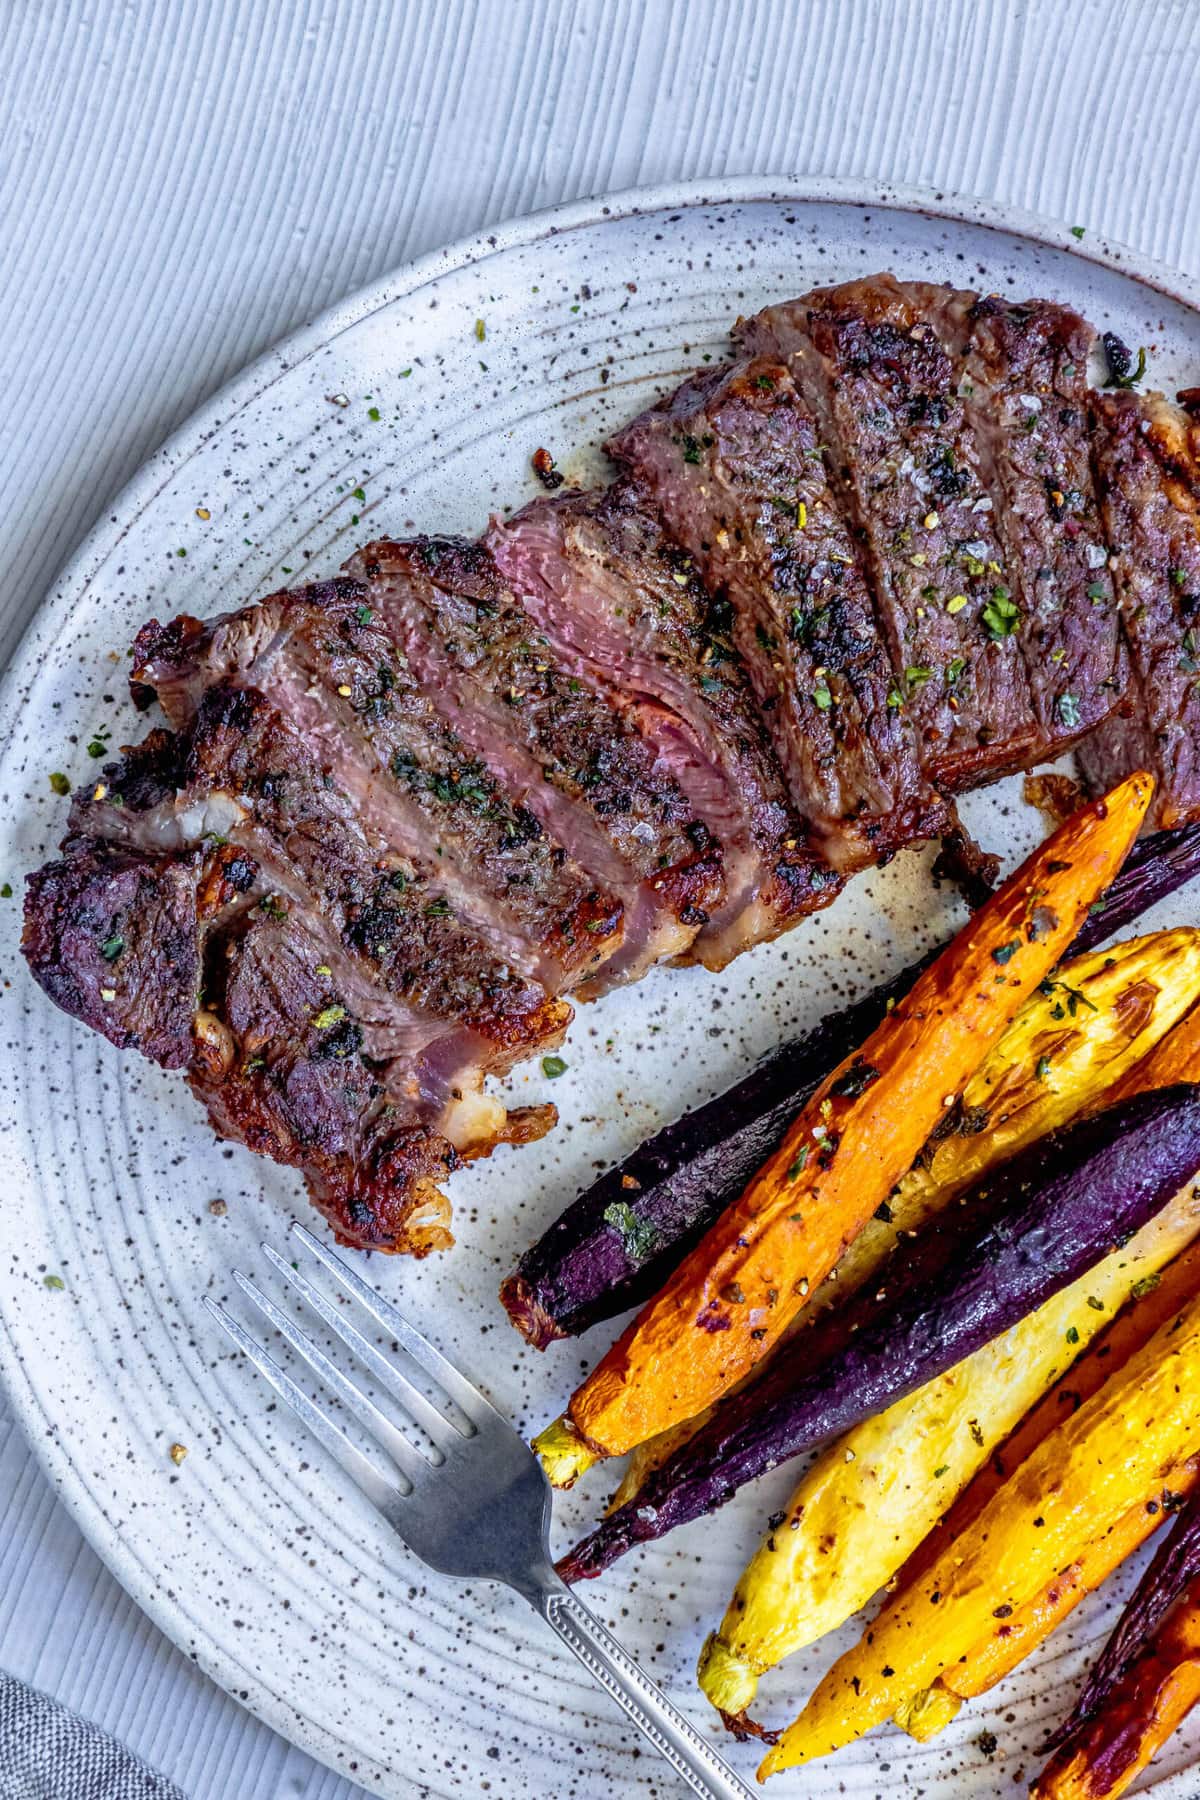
(70, 586)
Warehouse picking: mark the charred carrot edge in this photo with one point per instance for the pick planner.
(738, 1290)
(1152, 1699)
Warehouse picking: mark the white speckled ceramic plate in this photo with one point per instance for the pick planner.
(254, 1555)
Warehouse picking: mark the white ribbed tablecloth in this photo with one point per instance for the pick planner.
(184, 181)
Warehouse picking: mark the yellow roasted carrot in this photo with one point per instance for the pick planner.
(736, 1293)
(1072, 1489)
(875, 1494)
(1152, 1698)
(1071, 1041)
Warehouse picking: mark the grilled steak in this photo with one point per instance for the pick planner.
(620, 608)
(595, 785)
(890, 551)
(1148, 469)
(325, 661)
(872, 365)
(732, 462)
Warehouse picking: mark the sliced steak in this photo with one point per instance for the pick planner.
(551, 741)
(874, 370)
(732, 461)
(1148, 471)
(622, 610)
(1024, 379)
(325, 661)
(328, 1013)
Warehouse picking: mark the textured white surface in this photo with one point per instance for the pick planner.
(181, 183)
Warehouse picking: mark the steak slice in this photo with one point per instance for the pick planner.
(871, 365)
(325, 661)
(328, 1014)
(551, 741)
(1024, 370)
(1148, 472)
(622, 610)
(731, 460)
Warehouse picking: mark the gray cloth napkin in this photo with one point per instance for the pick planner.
(48, 1753)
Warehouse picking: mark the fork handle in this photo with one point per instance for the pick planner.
(644, 1704)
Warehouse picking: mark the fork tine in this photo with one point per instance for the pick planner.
(443, 1431)
(409, 1460)
(382, 1494)
(459, 1389)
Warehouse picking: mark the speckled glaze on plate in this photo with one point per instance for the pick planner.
(256, 1557)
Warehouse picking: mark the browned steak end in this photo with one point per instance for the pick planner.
(732, 461)
(1148, 472)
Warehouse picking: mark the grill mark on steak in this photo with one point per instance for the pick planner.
(733, 464)
(624, 611)
(550, 740)
(1147, 456)
(324, 661)
(1025, 381)
(885, 388)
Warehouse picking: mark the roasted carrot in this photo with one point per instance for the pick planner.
(1074, 1487)
(875, 1492)
(736, 1293)
(1065, 1050)
(1153, 1697)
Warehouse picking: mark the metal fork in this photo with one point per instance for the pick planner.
(477, 1506)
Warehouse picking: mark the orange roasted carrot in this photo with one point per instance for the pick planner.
(732, 1298)
(1131, 1328)
(1152, 1698)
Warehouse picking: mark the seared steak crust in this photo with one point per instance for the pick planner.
(873, 367)
(1148, 469)
(732, 462)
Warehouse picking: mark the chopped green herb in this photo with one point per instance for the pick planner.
(1072, 1334)
(822, 698)
(1096, 1305)
(553, 1067)
(1006, 952)
(1001, 615)
(363, 615)
(405, 373)
(940, 1471)
(54, 1282)
(1043, 1068)
(112, 947)
(329, 1016)
(438, 909)
(638, 1237)
(59, 782)
(181, 553)
(1067, 708)
(797, 1167)
(1077, 232)
(358, 494)
(1145, 1286)
(480, 330)
(6, 891)
(954, 669)
(374, 414)
(1096, 593)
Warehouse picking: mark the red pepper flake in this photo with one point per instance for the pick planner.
(546, 470)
